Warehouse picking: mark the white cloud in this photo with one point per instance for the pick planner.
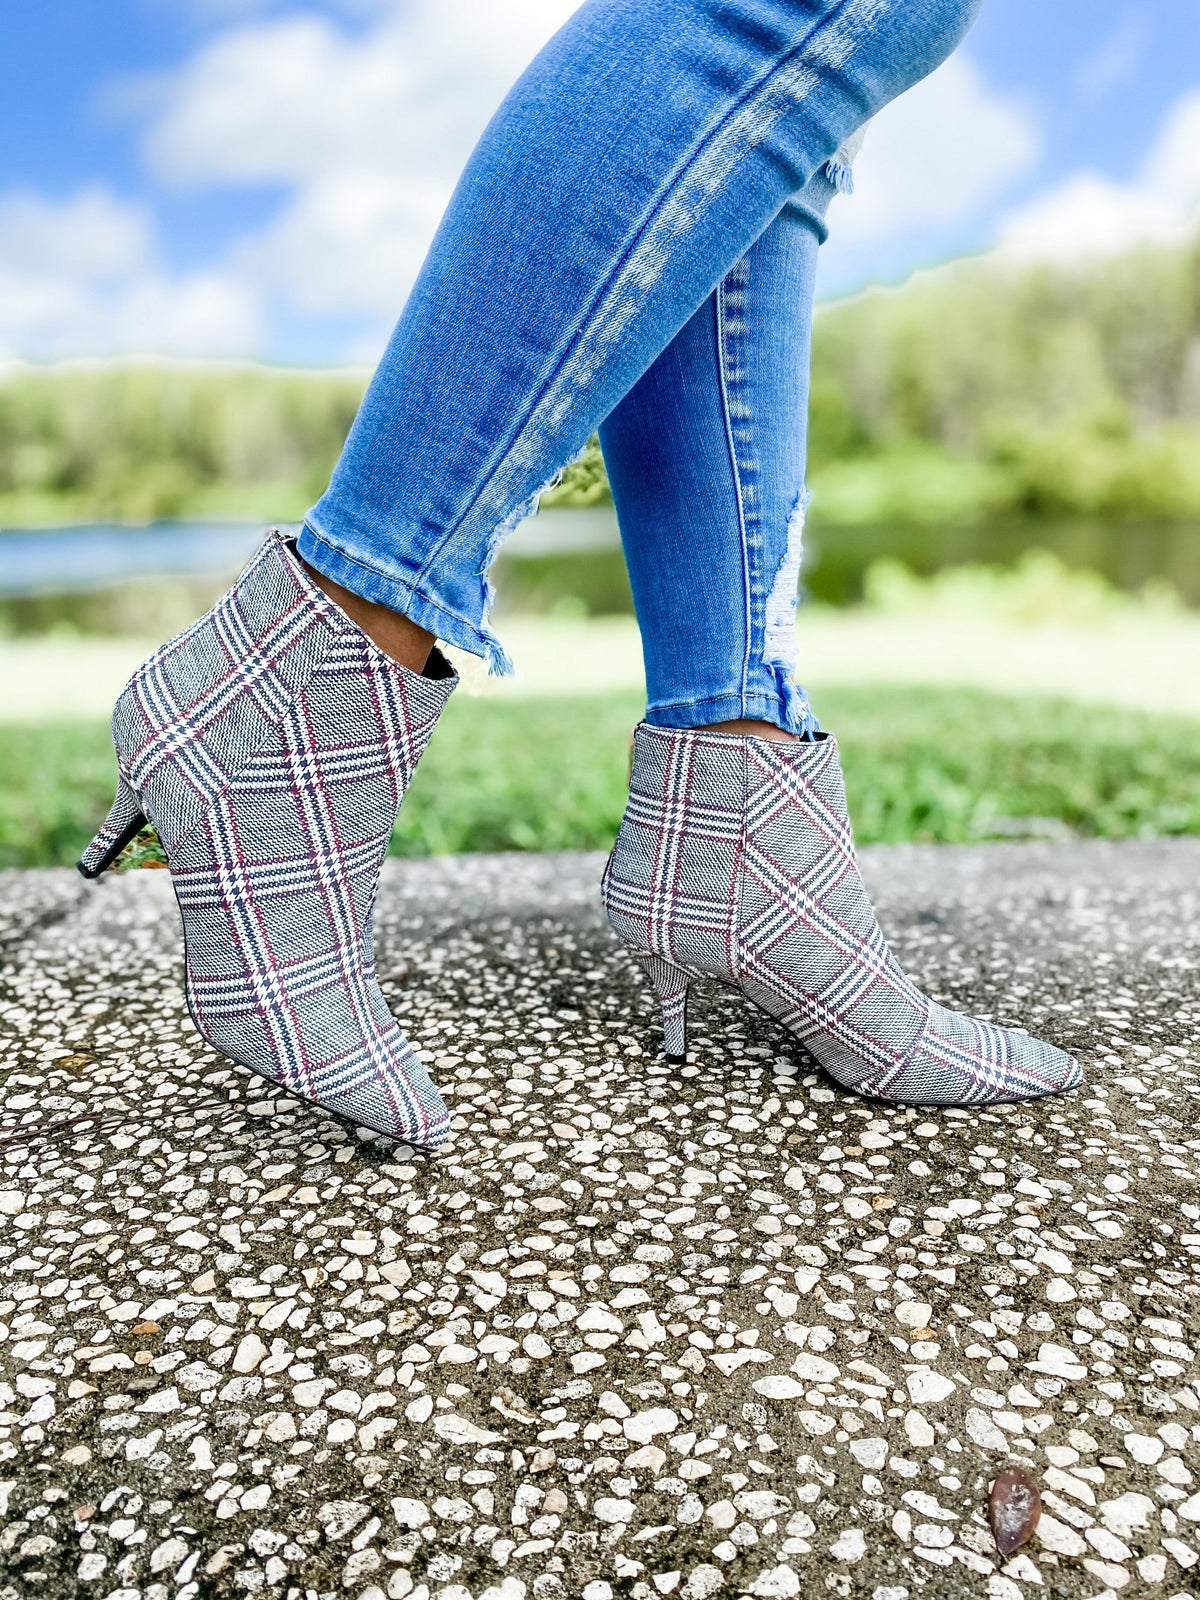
(93, 234)
(365, 128)
(348, 244)
(1114, 59)
(79, 277)
(935, 156)
(1172, 169)
(367, 131)
(1088, 214)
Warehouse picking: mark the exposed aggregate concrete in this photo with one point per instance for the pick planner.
(641, 1330)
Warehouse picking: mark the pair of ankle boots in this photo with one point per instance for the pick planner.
(270, 746)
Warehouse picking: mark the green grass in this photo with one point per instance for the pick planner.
(550, 774)
(947, 765)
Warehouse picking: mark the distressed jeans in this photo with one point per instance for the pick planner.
(631, 249)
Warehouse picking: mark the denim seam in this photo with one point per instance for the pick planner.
(410, 586)
(764, 695)
(671, 213)
(723, 383)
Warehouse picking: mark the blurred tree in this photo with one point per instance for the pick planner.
(982, 390)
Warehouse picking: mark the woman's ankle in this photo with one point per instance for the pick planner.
(753, 729)
(395, 634)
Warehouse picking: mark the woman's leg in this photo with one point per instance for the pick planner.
(706, 460)
(639, 157)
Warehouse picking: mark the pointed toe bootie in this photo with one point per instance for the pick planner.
(735, 861)
(270, 746)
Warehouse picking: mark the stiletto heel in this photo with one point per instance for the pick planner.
(123, 823)
(671, 985)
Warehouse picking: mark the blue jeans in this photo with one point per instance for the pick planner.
(631, 248)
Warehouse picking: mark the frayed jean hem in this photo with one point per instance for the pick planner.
(791, 712)
(398, 595)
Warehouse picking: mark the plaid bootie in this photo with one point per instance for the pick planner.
(270, 746)
(735, 861)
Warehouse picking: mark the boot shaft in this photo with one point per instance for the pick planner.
(208, 701)
(710, 816)
(671, 884)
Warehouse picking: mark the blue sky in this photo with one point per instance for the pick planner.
(226, 177)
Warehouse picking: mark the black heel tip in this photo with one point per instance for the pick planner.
(676, 1061)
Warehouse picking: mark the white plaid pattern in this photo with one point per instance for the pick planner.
(735, 861)
(271, 745)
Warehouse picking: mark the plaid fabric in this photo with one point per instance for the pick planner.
(735, 861)
(271, 745)
(196, 711)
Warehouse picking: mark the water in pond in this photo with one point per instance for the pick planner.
(1128, 554)
(99, 556)
(40, 561)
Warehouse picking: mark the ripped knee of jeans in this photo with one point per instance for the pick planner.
(779, 621)
(498, 662)
(779, 624)
(839, 169)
